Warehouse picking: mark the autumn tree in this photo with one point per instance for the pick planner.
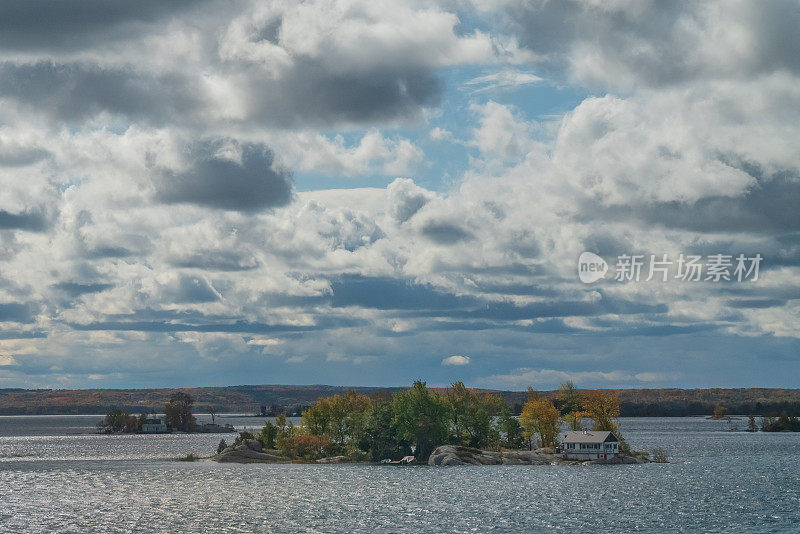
(720, 412)
(539, 416)
(751, 423)
(603, 408)
(340, 418)
(575, 419)
(119, 421)
(178, 411)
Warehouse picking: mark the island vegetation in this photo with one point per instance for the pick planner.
(415, 421)
(782, 423)
(177, 416)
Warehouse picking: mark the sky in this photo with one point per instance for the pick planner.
(368, 192)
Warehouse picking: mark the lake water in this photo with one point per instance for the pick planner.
(56, 476)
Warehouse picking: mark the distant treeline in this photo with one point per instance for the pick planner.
(270, 399)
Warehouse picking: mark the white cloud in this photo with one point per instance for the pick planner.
(440, 134)
(456, 360)
(504, 79)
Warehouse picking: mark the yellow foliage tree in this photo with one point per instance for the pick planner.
(574, 419)
(539, 416)
(603, 408)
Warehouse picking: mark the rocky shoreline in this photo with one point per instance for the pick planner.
(250, 451)
(447, 455)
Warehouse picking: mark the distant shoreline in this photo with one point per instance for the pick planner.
(248, 400)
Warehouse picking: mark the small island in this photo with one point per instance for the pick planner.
(177, 417)
(443, 427)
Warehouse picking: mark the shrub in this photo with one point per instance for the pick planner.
(191, 457)
(659, 456)
(306, 446)
(268, 435)
(222, 446)
(245, 435)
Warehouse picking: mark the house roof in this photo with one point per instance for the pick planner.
(587, 436)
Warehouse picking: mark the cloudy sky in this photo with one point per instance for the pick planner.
(368, 192)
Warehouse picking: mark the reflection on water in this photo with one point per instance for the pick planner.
(77, 481)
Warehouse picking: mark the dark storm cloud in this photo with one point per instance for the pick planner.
(312, 93)
(13, 334)
(770, 206)
(11, 156)
(393, 294)
(306, 95)
(75, 289)
(323, 323)
(757, 303)
(445, 233)
(62, 25)
(28, 220)
(77, 91)
(506, 311)
(108, 252)
(516, 289)
(16, 312)
(216, 260)
(417, 300)
(218, 182)
(656, 41)
(549, 326)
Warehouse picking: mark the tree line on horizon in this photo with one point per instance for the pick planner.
(296, 399)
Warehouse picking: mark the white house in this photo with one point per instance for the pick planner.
(589, 445)
(154, 425)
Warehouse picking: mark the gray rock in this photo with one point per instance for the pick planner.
(445, 455)
(332, 460)
(246, 455)
(253, 445)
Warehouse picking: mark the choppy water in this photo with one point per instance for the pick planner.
(719, 481)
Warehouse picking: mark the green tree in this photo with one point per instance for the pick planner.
(539, 416)
(268, 435)
(511, 429)
(568, 398)
(379, 437)
(222, 446)
(471, 416)
(119, 421)
(178, 411)
(280, 422)
(317, 419)
(422, 418)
